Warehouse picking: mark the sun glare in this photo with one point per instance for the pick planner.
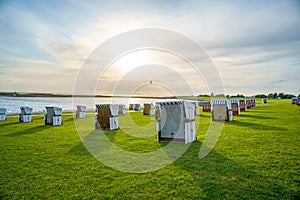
(132, 60)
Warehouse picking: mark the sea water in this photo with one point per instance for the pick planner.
(13, 104)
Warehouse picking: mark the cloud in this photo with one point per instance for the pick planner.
(251, 43)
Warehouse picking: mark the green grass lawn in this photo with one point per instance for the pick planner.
(256, 157)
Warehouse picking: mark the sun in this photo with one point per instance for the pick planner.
(129, 61)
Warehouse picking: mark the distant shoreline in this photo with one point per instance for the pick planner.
(191, 97)
(14, 94)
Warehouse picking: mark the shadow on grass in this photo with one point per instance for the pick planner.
(262, 109)
(8, 124)
(221, 177)
(256, 117)
(111, 134)
(216, 175)
(28, 131)
(79, 150)
(256, 126)
(205, 116)
(70, 118)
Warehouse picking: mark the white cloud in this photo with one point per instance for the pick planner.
(252, 43)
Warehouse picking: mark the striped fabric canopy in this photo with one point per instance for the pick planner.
(169, 103)
(218, 102)
(235, 101)
(228, 103)
(102, 105)
(114, 109)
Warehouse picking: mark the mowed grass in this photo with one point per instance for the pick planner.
(256, 157)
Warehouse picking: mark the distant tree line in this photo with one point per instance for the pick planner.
(276, 96)
(219, 95)
(270, 96)
(16, 94)
(238, 95)
(280, 95)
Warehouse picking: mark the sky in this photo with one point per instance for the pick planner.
(248, 47)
